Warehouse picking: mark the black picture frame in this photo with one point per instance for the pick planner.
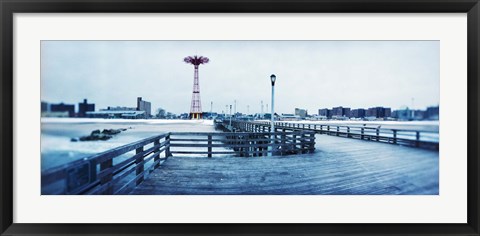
(9, 7)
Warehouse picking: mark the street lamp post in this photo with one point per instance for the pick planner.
(272, 79)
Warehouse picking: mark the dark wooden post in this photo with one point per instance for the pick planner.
(321, 129)
(209, 145)
(338, 130)
(361, 136)
(139, 162)
(167, 150)
(394, 136)
(283, 141)
(312, 142)
(107, 178)
(156, 151)
(302, 140)
(294, 142)
(328, 129)
(247, 144)
(417, 140)
(348, 131)
(378, 134)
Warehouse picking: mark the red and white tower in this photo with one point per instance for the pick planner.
(196, 105)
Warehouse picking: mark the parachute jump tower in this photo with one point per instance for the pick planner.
(196, 105)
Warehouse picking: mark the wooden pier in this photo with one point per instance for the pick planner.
(339, 166)
(304, 162)
(119, 170)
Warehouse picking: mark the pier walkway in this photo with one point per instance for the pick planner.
(339, 166)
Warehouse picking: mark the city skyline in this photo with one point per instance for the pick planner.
(310, 74)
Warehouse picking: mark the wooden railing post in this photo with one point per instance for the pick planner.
(209, 145)
(338, 130)
(378, 134)
(417, 139)
(362, 131)
(328, 129)
(167, 150)
(156, 151)
(394, 136)
(283, 141)
(312, 142)
(247, 145)
(140, 165)
(108, 177)
(302, 141)
(348, 131)
(294, 142)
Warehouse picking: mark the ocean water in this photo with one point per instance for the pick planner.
(56, 134)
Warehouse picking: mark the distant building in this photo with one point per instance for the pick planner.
(358, 113)
(119, 109)
(70, 108)
(45, 107)
(432, 113)
(378, 112)
(403, 114)
(184, 116)
(325, 113)
(290, 117)
(419, 115)
(302, 113)
(338, 112)
(144, 106)
(142, 111)
(116, 114)
(84, 107)
(387, 112)
(346, 112)
(209, 115)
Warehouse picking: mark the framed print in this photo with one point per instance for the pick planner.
(353, 117)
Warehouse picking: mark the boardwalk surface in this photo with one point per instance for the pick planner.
(338, 166)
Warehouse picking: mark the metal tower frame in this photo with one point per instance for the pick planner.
(196, 104)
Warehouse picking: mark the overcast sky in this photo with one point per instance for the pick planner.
(310, 74)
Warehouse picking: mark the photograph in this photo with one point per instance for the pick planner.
(240, 117)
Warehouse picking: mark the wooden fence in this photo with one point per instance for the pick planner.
(424, 139)
(115, 171)
(244, 144)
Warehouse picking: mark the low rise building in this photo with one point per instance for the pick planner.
(84, 107)
(62, 107)
(302, 113)
(144, 106)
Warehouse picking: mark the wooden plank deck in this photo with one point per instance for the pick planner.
(339, 166)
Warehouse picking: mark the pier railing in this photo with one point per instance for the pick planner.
(244, 144)
(119, 170)
(115, 171)
(416, 138)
